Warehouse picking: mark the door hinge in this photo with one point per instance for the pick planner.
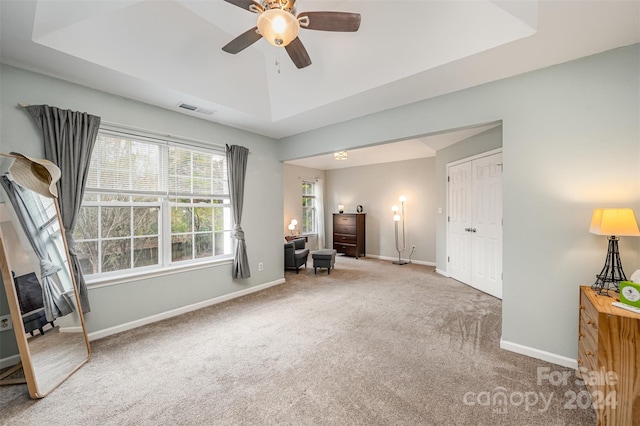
(448, 218)
(448, 259)
(448, 178)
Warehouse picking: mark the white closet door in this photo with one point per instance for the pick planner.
(486, 235)
(475, 223)
(460, 203)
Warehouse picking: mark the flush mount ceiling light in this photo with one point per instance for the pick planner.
(278, 24)
(340, 155)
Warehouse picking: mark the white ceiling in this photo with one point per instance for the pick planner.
(165, 52)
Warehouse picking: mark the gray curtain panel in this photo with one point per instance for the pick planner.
(55, 303)
(236, 170)
(69, 138)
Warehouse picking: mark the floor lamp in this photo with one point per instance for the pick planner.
(613, 223)
(397, 218)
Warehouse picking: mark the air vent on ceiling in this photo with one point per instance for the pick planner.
(195, 108)
(187, 106)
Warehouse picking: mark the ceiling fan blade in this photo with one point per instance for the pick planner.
(243, 41)
(298, 53)
(249, 5)
(330, 21)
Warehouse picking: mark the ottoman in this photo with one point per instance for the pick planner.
(324, 258)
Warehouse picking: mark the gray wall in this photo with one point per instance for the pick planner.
(377, 187)
(570, 144)
(115, 305)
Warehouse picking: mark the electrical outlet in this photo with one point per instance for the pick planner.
(260, 266)
(5, 322)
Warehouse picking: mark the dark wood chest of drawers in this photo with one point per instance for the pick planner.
(349, 234)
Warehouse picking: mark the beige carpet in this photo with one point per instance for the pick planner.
(371, 344)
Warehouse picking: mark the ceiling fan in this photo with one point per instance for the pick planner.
(279, 25)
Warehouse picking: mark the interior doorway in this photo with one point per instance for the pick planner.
(474, 222)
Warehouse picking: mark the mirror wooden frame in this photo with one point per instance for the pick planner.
(36, 387)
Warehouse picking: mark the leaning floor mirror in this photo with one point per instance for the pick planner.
(40, 287)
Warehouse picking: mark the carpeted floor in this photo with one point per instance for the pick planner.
(371, 344)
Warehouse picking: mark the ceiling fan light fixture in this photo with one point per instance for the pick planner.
(278, 27)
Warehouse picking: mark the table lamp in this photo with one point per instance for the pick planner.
(613, 223)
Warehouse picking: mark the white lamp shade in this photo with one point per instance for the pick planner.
(396, 218)
(394, 208)
(294, 222)
(278, 27)
(618, 222)
(340, 207)
(291, 227)
(402, 199)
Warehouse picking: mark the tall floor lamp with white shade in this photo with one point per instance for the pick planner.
(397, 218)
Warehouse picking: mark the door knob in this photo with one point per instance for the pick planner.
(473, 229)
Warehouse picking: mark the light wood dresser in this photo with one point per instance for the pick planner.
(609, 358)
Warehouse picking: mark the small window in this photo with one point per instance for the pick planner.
(308, 207)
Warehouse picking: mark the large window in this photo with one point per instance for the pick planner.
(308, 207)
(150, 204)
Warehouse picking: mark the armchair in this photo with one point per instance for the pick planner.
(295, 254)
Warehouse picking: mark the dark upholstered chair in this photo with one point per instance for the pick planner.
(295, 255)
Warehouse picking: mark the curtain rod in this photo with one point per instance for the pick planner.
(120, 127)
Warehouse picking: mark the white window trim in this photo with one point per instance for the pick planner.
(140, 274)
(130, 275)
(315, 209)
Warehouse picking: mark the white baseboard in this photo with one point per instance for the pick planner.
(73, 329)
(417, 262)
(179, 311)
(539, 354)
(443, 273)
(9, 361)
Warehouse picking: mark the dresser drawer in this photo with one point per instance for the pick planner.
(588, 325)
(344, 229)
(348, 249)
(344, 239)
(587, 338)
(344, 220)
(587, 354)
(587, 307)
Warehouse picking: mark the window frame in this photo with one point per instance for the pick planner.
(165, 200)
(314, 209)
